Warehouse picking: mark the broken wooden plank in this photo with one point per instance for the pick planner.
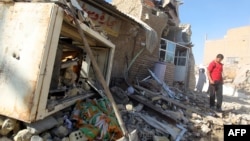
(99, 74)
(164, 85)
(148, 92)
(217, 121)
(178, 104)
(172, 101)
(69, 64)
(163, 127)
(153, 107)
(70, 31)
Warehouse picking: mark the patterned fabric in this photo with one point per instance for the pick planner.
(96, 119)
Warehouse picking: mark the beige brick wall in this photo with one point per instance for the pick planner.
(142, 64)
(147, 61)
(236, 43)
(156, 20)
(128, 40)
(169, 74)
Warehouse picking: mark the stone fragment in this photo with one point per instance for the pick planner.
(42, 125)
(36, 138)
(23, 135)
(7, 126)
(5, 139)
(60, 131)
(205, 129)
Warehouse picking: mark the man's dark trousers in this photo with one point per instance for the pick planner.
(216, 90)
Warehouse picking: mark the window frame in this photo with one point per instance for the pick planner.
(169, 55)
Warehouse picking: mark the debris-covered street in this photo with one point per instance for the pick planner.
(186, 117)
(91, 70)
(150, 110)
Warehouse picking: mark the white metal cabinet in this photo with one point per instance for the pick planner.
(28, 44)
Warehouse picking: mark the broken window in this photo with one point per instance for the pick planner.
(180, 58)
(167, 51)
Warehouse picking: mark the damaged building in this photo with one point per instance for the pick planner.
(172, 58)
(46, 69)
(54, 78)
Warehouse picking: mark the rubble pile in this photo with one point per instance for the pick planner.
(92, 119)
(156, 114)
(238, 76)
(150, 109)
(157, 110)
(242, 79)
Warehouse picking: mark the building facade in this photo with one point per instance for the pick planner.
(145, 35)
(174, 48)
(235, 46)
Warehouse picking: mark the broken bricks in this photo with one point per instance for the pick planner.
(197, 122)
(7, 125)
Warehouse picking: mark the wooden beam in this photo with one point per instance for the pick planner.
(99, 75)
(151, 93)
(70, 31)
(153, 107)
(90, 33)
(180, 105)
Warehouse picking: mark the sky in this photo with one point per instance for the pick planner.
(212, 18)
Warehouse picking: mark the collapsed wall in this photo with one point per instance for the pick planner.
(242, 78)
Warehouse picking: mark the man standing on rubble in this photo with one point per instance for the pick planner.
(214, 74)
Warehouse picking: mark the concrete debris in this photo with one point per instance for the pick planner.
(160, 138)
(73, 92)
(66, 139)
(83, 84)
(133, 136)
(191, 109)
(42, 125)
(36, 138)
(183, 131)
(151, 111)
(46, 136)
(7, 125)
(2, 118)
(139, 107)
(121, 107)
(205, 129)
(61, 131)
(119, 95)
(77, 135)
(243, 122)
(23, 135)
(165, 128)
(129, 107)
(151, 85)
(164, 85)
(5, 139)
(196, 116)
(178, 115)
(242, 78)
